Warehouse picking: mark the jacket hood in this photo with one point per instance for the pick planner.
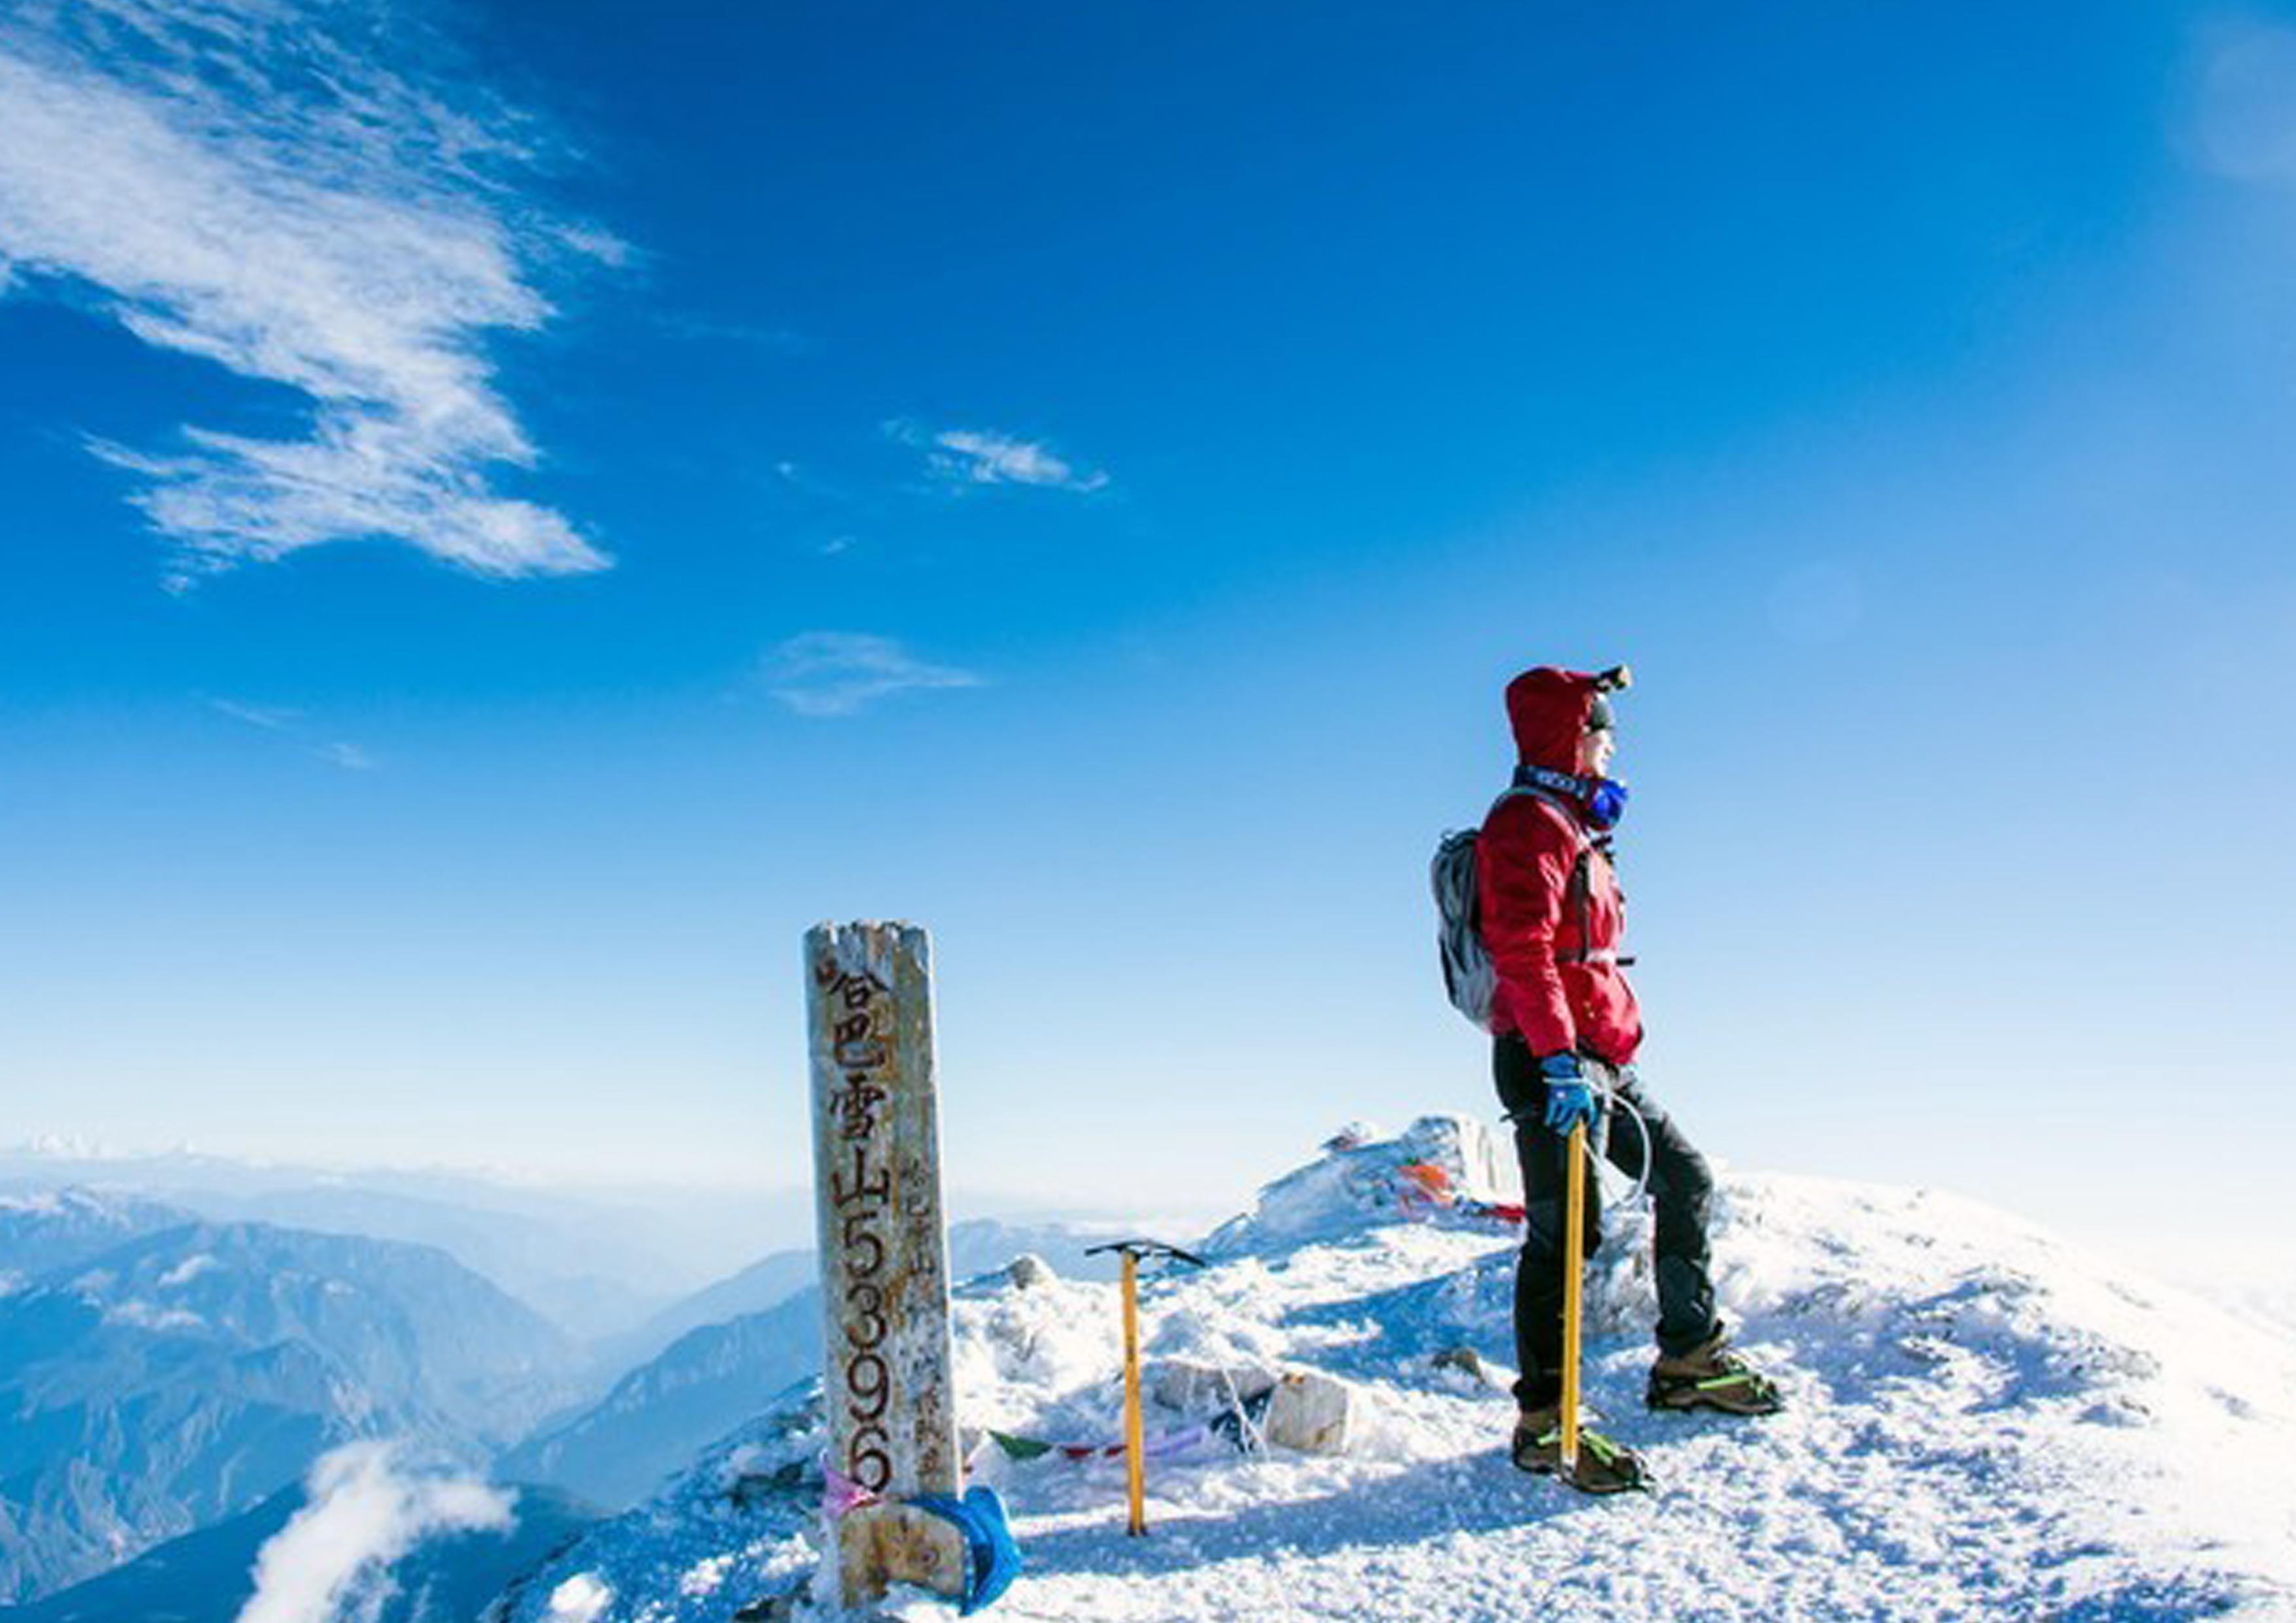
(1548, 709)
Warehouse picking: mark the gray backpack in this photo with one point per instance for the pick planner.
(1470, 979)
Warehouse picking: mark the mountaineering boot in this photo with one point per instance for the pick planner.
(1604, 1467)
(1711, 1376)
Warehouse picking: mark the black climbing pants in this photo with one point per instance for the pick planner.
(1681, 1190)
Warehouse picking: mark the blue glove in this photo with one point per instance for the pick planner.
(1570, 1101)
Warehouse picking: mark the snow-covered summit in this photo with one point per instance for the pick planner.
(1984, 1422)
(45, 1229)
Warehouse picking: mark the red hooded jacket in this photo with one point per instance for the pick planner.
(1560, 984)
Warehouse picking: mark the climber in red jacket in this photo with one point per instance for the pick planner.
(1566, 1028)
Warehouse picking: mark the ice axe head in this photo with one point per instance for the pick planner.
(1139, 1250)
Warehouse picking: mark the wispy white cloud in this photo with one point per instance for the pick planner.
(350, 758)
(289, 188)
(293, 723)
(981, 457)
(144, 1316)
(368, 1506)
(839, 673)
(270, 718)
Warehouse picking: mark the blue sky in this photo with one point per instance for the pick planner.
(510, 513)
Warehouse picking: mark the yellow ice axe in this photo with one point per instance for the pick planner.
(1574, 1264)
(1135, 1468)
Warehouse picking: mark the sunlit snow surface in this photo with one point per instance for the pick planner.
(1984, 1422)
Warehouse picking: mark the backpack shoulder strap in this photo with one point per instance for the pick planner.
(1554, 803)
(1578, 890)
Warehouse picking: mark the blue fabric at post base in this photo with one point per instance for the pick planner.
(992, 1561)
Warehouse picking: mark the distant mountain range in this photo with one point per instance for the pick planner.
(185, 1373)
(764, 1284)
(597, 1261)
(165, 1369)
(704, 1385)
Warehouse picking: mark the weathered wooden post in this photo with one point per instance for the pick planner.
(885, 1256)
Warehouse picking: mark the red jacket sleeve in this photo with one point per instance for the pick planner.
(1523, 861)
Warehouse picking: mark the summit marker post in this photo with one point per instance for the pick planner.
(884, 1260)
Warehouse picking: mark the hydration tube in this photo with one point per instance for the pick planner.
(1641, 1189)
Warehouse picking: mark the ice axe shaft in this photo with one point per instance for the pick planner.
(1134, 1430)
(1574, 1265)
(1136, 1471)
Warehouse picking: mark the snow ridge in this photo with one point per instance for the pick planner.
(1983, 1422)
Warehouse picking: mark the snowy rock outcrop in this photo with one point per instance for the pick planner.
(1439, 1164)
